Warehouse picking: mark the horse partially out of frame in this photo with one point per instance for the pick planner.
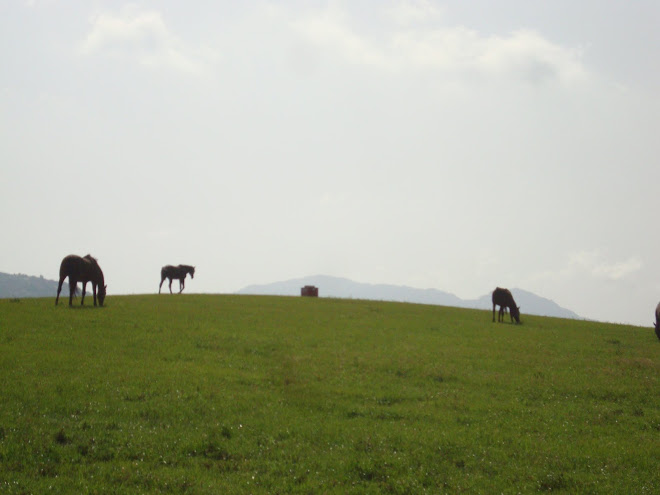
(85, 269)
(176, 272)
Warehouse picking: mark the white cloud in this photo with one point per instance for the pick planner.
(595, 264)
(329, 29)
(456, 51)
(592, 263)
(529, 55)
(143, 36)
(408, 12)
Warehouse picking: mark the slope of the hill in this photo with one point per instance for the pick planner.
(344, 288)
(528, 302)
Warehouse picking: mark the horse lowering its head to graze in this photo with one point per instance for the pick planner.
(504, 299)
(657, 320)
(176, 272)
(83, 270)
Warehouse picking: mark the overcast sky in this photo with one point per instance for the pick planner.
(452, 145)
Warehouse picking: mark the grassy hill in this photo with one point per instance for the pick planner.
(248, 394)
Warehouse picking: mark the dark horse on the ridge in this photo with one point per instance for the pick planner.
(657, 320)
(504, 299)
(82, 270)
(176, 272)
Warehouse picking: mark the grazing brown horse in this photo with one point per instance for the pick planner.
(657, 320)
(176, 272)
(504, 299)
(82, 270)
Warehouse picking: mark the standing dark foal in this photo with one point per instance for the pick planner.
(657, 321)
(504, 299)
(82, 270)
(176, 272)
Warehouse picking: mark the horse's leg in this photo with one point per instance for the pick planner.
(494, 312)
(170, 284)
(94, 292)
(161, 283)
(84, 291)
(182, 284)
(59, 289)
(73, 283)
(500, 315)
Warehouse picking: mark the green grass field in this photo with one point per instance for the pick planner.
(240, 394)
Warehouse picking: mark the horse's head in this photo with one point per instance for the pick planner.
(515, 312)
(101, 294)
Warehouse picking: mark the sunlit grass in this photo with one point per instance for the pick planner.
(241, 394)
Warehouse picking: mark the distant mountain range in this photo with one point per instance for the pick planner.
(26, 286)
(344, 288)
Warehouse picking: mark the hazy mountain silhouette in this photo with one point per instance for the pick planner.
(26, 286)
(344, 288)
